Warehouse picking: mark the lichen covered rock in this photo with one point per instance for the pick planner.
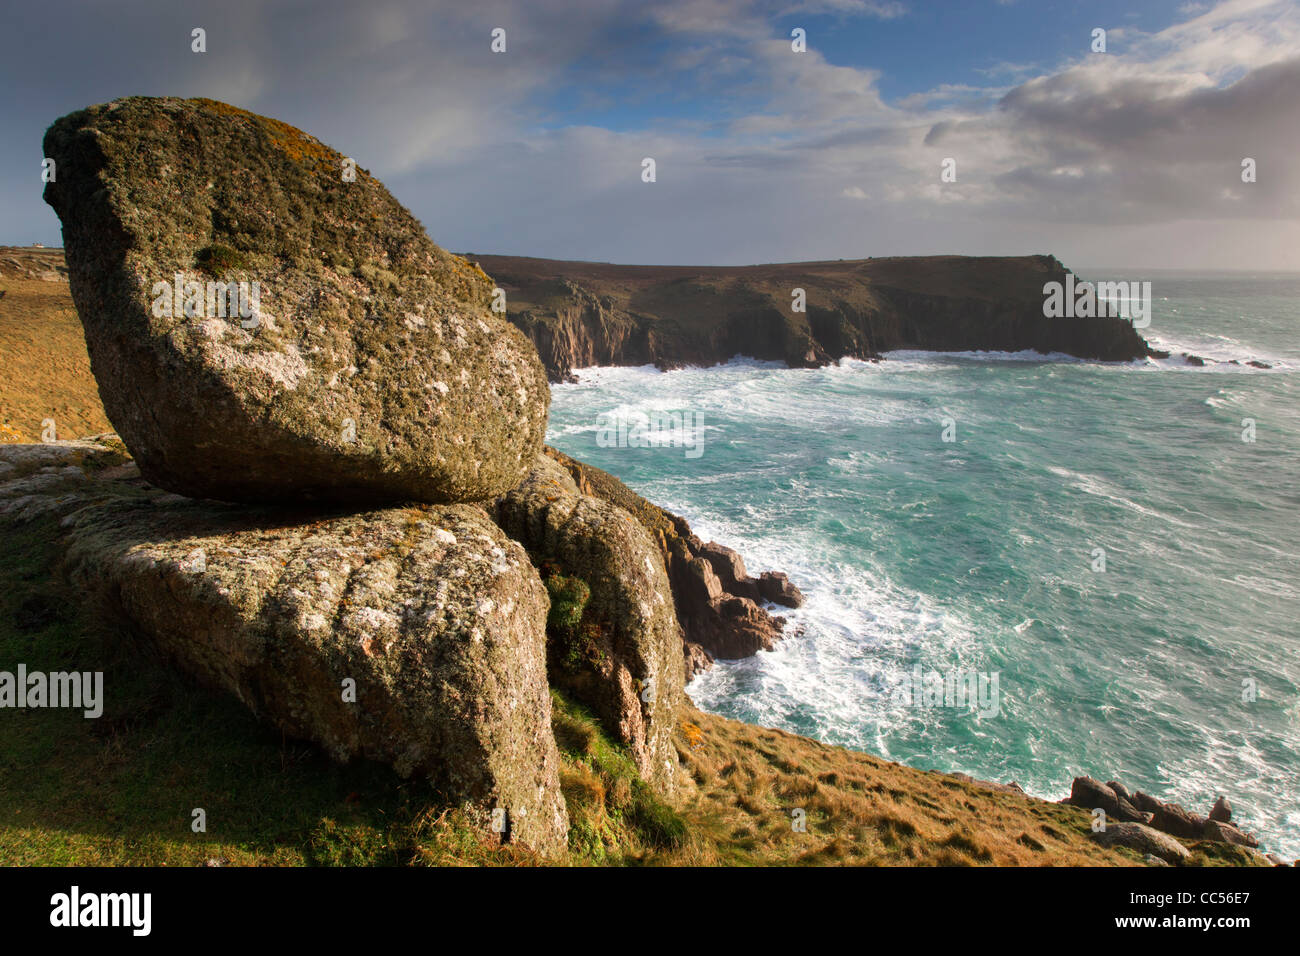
(55, 477)
(719, 618)
(365, 364)
(618, 647)
(413, 636)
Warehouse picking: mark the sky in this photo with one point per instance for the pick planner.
(1126, 159)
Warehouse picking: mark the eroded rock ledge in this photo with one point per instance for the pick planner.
(421, 636)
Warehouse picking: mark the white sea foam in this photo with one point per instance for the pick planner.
(976, 555)
(1217, 351)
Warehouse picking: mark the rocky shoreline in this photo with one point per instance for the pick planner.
(1142, 823)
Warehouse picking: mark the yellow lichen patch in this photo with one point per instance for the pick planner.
(293, 142)
(694, 736)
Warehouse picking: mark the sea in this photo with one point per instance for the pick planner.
(1018, 566)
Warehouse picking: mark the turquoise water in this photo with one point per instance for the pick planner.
(978, 554)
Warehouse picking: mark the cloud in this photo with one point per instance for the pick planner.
(762, 153)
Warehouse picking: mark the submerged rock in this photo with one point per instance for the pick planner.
(361, 363)
(412, 636)
(615, 643)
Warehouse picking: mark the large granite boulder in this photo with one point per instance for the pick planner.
(366, 364)
(413, 636)
(616, 643)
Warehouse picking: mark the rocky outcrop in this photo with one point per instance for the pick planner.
(1090, 794)
(413, 636)
(775, 586)
(614, 638)
(417, 636)
(1221, 812)
(53, 478)
(580, 314)
(362, 363)
(34, 263)
(1173, 819)
(1164, 818)
(1227, 833)
(719, 620)
(1143, 839)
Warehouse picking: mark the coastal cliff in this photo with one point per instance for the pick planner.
(470, 647)
(580, 314)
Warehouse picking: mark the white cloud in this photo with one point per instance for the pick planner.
(1138, 149)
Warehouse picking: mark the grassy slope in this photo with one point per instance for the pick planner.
(42, 352)
(120, 789)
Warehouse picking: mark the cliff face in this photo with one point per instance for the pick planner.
(580, 314)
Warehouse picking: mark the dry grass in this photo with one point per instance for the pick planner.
(747, 781)
(43, 352)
